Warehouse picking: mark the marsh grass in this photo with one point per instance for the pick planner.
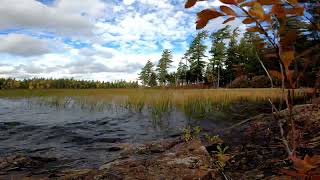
(160, 107)
(195, 103)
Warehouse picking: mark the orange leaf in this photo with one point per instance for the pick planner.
(287, 42)
(293, 173)
(307, 164)
(278, 10)
(190, 3)
(209, 14)
(229, 19)
(266, 2)
(229, 1)
(228, 10)
(248, 21)
(267, 18)
(296, 10)
(254, 29)
(293, 2)
(249, 4)
(205, 15)
(261, 45)
(275, 74)
(257, 10)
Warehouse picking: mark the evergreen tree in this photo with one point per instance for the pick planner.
(248, 58)
(195, 55)
(153, 80)
(182, 72)
(218, 51)
(232, 56)
(163, 66)
(146, 72)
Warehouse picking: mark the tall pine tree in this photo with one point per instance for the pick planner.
(218, 51)
(195, 55)
(163, 66)
(147, 74)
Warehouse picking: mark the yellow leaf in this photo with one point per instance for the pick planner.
(257, 10)
(228, 10)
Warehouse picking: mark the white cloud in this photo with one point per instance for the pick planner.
(32, 14)
(128, 2)
(94, 39)
(23, 45)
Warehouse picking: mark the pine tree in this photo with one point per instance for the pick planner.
(195, 55)
(232, 56)
(163, 66)
(218, 51)
(153, 80)
(146, 73)
(182, 72)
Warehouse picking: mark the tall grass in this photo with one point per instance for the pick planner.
(159, 102)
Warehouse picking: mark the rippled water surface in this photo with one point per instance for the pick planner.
(80, 136)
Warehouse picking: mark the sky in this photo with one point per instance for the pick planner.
(103, 40)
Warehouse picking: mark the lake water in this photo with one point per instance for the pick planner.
(81, 136)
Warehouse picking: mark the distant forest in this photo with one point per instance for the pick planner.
(42, 83)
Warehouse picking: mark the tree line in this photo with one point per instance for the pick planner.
(217, 65)
(228, 60)
(42, 83)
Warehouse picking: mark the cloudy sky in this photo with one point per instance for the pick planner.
(92, 39)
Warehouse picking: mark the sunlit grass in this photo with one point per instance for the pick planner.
(193, 102)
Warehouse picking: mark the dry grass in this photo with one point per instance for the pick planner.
(157, 101)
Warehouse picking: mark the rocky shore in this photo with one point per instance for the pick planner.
(255, 151)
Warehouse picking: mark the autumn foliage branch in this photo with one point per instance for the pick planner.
(268, 19)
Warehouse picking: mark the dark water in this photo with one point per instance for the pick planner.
(79, 136)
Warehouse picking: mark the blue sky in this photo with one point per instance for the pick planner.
(93, 39)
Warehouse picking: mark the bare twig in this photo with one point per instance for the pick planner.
(265, 69)
(281, 123)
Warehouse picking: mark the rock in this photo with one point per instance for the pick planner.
(149, 148)
(83, 174)
(183, 161)
(21, 162)
(114, 149)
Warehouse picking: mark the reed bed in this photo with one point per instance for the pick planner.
(159, 102)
